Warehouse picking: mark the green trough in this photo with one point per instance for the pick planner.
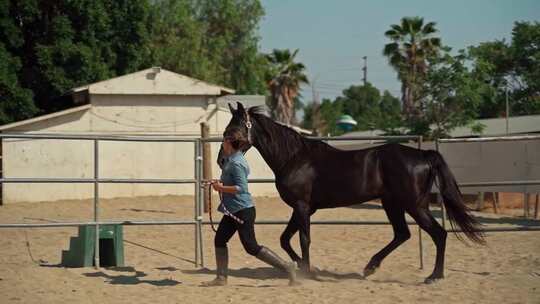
(82, 247)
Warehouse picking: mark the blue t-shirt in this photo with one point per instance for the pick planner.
(235, 173)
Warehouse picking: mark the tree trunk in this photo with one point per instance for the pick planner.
(282, 109)
(408, 106)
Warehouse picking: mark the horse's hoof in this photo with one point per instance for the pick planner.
(310, 273)
(433, 279)
(307, 269)
(294, 283)
(314, 269)
(369, 271)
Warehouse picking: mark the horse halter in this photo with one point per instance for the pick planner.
(249, 125)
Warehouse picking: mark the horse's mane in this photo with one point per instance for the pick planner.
(290, 141)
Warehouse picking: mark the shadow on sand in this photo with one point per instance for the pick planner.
(133, 278)
(267, 273)
(159, 251)
(437, 213)
(260, 273)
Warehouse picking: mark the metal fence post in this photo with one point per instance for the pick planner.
(420, 247)
(200, 203)
(96, 201)
(196, 203)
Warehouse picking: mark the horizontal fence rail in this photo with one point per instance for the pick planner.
(76, 224)
(488, 139)
(341, 138)
(99, 137)
(501, 183)
(99, 180)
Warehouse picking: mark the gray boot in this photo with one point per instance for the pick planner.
(222, 264)
(269, 257)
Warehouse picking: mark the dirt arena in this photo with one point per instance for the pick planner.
(160, 260)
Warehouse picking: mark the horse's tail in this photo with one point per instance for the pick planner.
(458, 213)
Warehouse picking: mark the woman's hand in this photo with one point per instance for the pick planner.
(217, 185)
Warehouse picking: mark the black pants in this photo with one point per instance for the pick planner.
(246, 231)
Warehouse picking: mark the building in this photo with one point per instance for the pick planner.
(149, 102)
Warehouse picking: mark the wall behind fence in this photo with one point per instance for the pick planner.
(494, 161)
(117, 159)
(483, 162)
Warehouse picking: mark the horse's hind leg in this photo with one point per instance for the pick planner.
(302, 218)
(285, 239)
(426, 221)
(396, 215)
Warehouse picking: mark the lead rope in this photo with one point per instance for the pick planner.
(210, 206)
(225, 211)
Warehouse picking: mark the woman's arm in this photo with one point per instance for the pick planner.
(218, 186)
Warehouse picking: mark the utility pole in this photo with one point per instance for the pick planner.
(507, 109)
(365, 70)
(315, 115)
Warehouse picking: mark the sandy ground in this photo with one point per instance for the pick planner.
(160, 269)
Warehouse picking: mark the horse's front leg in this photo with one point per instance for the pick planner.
(288, 233)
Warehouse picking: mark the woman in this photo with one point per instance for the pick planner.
(239, 213)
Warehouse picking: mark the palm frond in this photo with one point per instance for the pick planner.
(416, 24)
(390, 49)
(392, 34)
(429, 28)
(397, 28)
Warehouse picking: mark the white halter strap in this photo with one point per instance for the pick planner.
(248, 126)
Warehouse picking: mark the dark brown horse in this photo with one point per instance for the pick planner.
(312, 175)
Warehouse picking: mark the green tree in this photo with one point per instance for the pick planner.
(212, 40)
(525, 75)
(510, 66)
(56, 45)
(321, 118)
(389, 115)
(63, 44)
(15, 102)
(284, 77)
(177, 42)
(231, 42)
(361, 102)
(330, 111)
(364, 103)
(451, 96)
(311, 110)
(492, 62)
(412, 43)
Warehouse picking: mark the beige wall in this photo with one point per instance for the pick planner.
(495, 161)
(118, 114)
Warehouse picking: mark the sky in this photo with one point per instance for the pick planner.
(333, 36)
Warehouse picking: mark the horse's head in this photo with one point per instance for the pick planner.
(240, 122)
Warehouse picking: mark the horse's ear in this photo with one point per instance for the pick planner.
(240, 108)
(231, 108)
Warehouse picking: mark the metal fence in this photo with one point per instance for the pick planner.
(96, 181)
(198, 220)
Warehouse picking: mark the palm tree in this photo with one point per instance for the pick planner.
(284, 79)
(412, 43)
